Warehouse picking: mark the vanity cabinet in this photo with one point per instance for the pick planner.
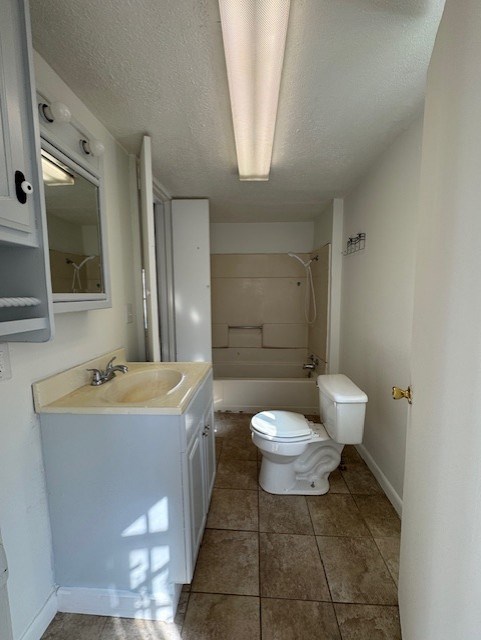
(128, 497)
(25, 306)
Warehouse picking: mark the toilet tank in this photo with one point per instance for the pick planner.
(343, 408)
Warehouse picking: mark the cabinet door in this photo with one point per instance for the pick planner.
(195, 463)
(209, 454)
(17, 143)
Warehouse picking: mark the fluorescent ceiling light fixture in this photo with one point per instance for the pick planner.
(254, 33)
(54, 175)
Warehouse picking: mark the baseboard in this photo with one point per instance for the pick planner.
(120, 604)
(393, 496)
(43, 618)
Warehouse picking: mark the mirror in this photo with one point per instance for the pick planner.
(72, 201)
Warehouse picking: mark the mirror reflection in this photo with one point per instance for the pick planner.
(73, 222)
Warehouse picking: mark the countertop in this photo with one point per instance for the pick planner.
(70, 391)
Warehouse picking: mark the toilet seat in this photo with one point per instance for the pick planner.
(286, 426)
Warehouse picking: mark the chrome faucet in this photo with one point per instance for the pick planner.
(311, 366)
(101, 377)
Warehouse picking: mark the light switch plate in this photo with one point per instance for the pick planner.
(5, 369)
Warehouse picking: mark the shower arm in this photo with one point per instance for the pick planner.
(304, 264)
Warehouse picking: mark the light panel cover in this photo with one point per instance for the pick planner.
(254, 34)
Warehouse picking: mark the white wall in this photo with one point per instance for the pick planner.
(192, 284)
(79, 337)
(261, 237)
(335, 289)
(323, 226)
(377, 300)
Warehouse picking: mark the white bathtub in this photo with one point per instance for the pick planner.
(256, 394)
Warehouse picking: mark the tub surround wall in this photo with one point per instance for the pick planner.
(264, 291)
(377, 301)
(79, 336)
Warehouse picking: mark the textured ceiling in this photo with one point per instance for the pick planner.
(354, 76)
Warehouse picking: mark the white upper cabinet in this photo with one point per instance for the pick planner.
(18, 157)
(25, 299)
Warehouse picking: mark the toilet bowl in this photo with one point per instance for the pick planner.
(298, 455)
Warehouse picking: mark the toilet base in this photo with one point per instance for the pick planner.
(306, 475)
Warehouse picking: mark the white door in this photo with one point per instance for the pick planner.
(152, 337)
(440, 574)
(5, 622)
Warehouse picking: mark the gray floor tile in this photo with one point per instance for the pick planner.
(360, 480)
(239, 449)
(232, 425)
(128, 629)
(389, 548)
(235, 509)
(284, 514)
(222, 617)
(55, 627)
(336, 515)
(380, 515)
(356, 571)
(237, 474)
(290, 568)
(350, 454)
(75, 626)
(361, 622)
(228, 562)
(298, 620)
(337, 483)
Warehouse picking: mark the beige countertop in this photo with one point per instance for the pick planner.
(70, 391)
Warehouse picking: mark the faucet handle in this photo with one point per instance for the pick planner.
(109, 363)
(96, 375)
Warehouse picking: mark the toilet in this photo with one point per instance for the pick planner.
(298, 455)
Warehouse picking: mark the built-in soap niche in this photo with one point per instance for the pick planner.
(72, 171)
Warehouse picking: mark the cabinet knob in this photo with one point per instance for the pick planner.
(23, 188)
(26, 187)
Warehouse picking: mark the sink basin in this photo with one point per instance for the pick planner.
(142, 386)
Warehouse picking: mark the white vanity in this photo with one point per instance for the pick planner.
(130, 467)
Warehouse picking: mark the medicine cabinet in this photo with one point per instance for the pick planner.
(72, 171)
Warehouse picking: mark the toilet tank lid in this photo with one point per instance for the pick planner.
(340, 388)
(281, 424)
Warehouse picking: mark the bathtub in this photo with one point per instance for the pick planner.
(253, 388)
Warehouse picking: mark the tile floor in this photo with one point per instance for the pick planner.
(278, 567)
